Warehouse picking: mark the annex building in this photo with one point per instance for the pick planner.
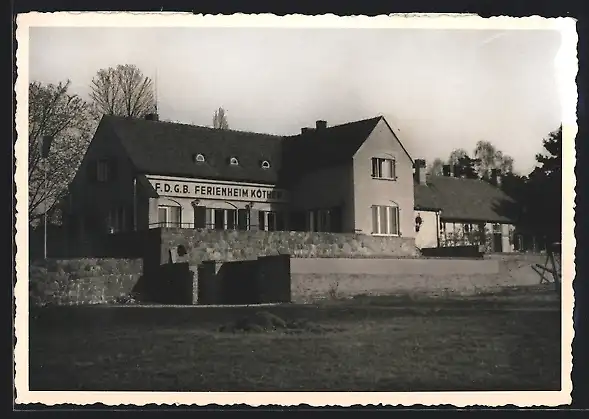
(354, 178)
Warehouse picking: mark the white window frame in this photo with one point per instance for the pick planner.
(214, 218)
(387, 229)
(225, 211)
(378, 166)
(265, 164)
(226, 218)
(266, 218)
(200, 158)
(168, 223)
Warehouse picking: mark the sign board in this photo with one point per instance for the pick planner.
(204, 189)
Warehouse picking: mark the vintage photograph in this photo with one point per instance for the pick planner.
(267, 208)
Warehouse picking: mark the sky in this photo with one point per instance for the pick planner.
(440, 89)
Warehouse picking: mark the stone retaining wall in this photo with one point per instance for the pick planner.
(82, 281)
(226, 246)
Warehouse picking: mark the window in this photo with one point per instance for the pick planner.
(200, 217)
(199, 158)
(233, 161)
(242, 219)
(383, 168)
(271, 221)
(117, 220)
(231, 216)
(265, 164)
(226, 219)
(103, 171)
(169, 216)
(385, 220)
(219, 219)
(262, 220)
(322, 220)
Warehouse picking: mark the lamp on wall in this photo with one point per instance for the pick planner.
(418, 223)
(195, 202)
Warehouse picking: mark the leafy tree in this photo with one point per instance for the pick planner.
(462, 164)
(123, 91)
(456, 155)
(466, 167)
(490, 158)
(220, 119)
(436, 167)
(517, 188)
(545, 187)
(503, 162)
(551, 160)
(55, 113)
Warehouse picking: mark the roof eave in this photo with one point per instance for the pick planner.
(398, 139)
(426, 208)
(475, 220)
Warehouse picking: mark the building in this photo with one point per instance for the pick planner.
(140, 174)
(454, 211)
(143, 173)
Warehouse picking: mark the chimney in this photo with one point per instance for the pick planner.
(306, 130)
(152, 117)
(446, 170)
(321, 124)
(456, 170)
(420, 171)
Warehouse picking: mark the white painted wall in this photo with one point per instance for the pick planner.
(368, 191)
(427, 236)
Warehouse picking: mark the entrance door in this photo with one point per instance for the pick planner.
(497, 242)
(497, 238)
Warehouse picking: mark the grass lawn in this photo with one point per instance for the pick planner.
(372, 344)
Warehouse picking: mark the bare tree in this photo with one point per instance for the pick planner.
(122, 91)
(53, 112)
(220, 119)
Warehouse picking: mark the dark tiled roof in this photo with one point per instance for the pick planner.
(465, 199)
(329, 146)
(165, 148)
(425, 198)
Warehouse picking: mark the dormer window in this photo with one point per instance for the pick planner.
(265, 164)
(233, 161)
(199, 158)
